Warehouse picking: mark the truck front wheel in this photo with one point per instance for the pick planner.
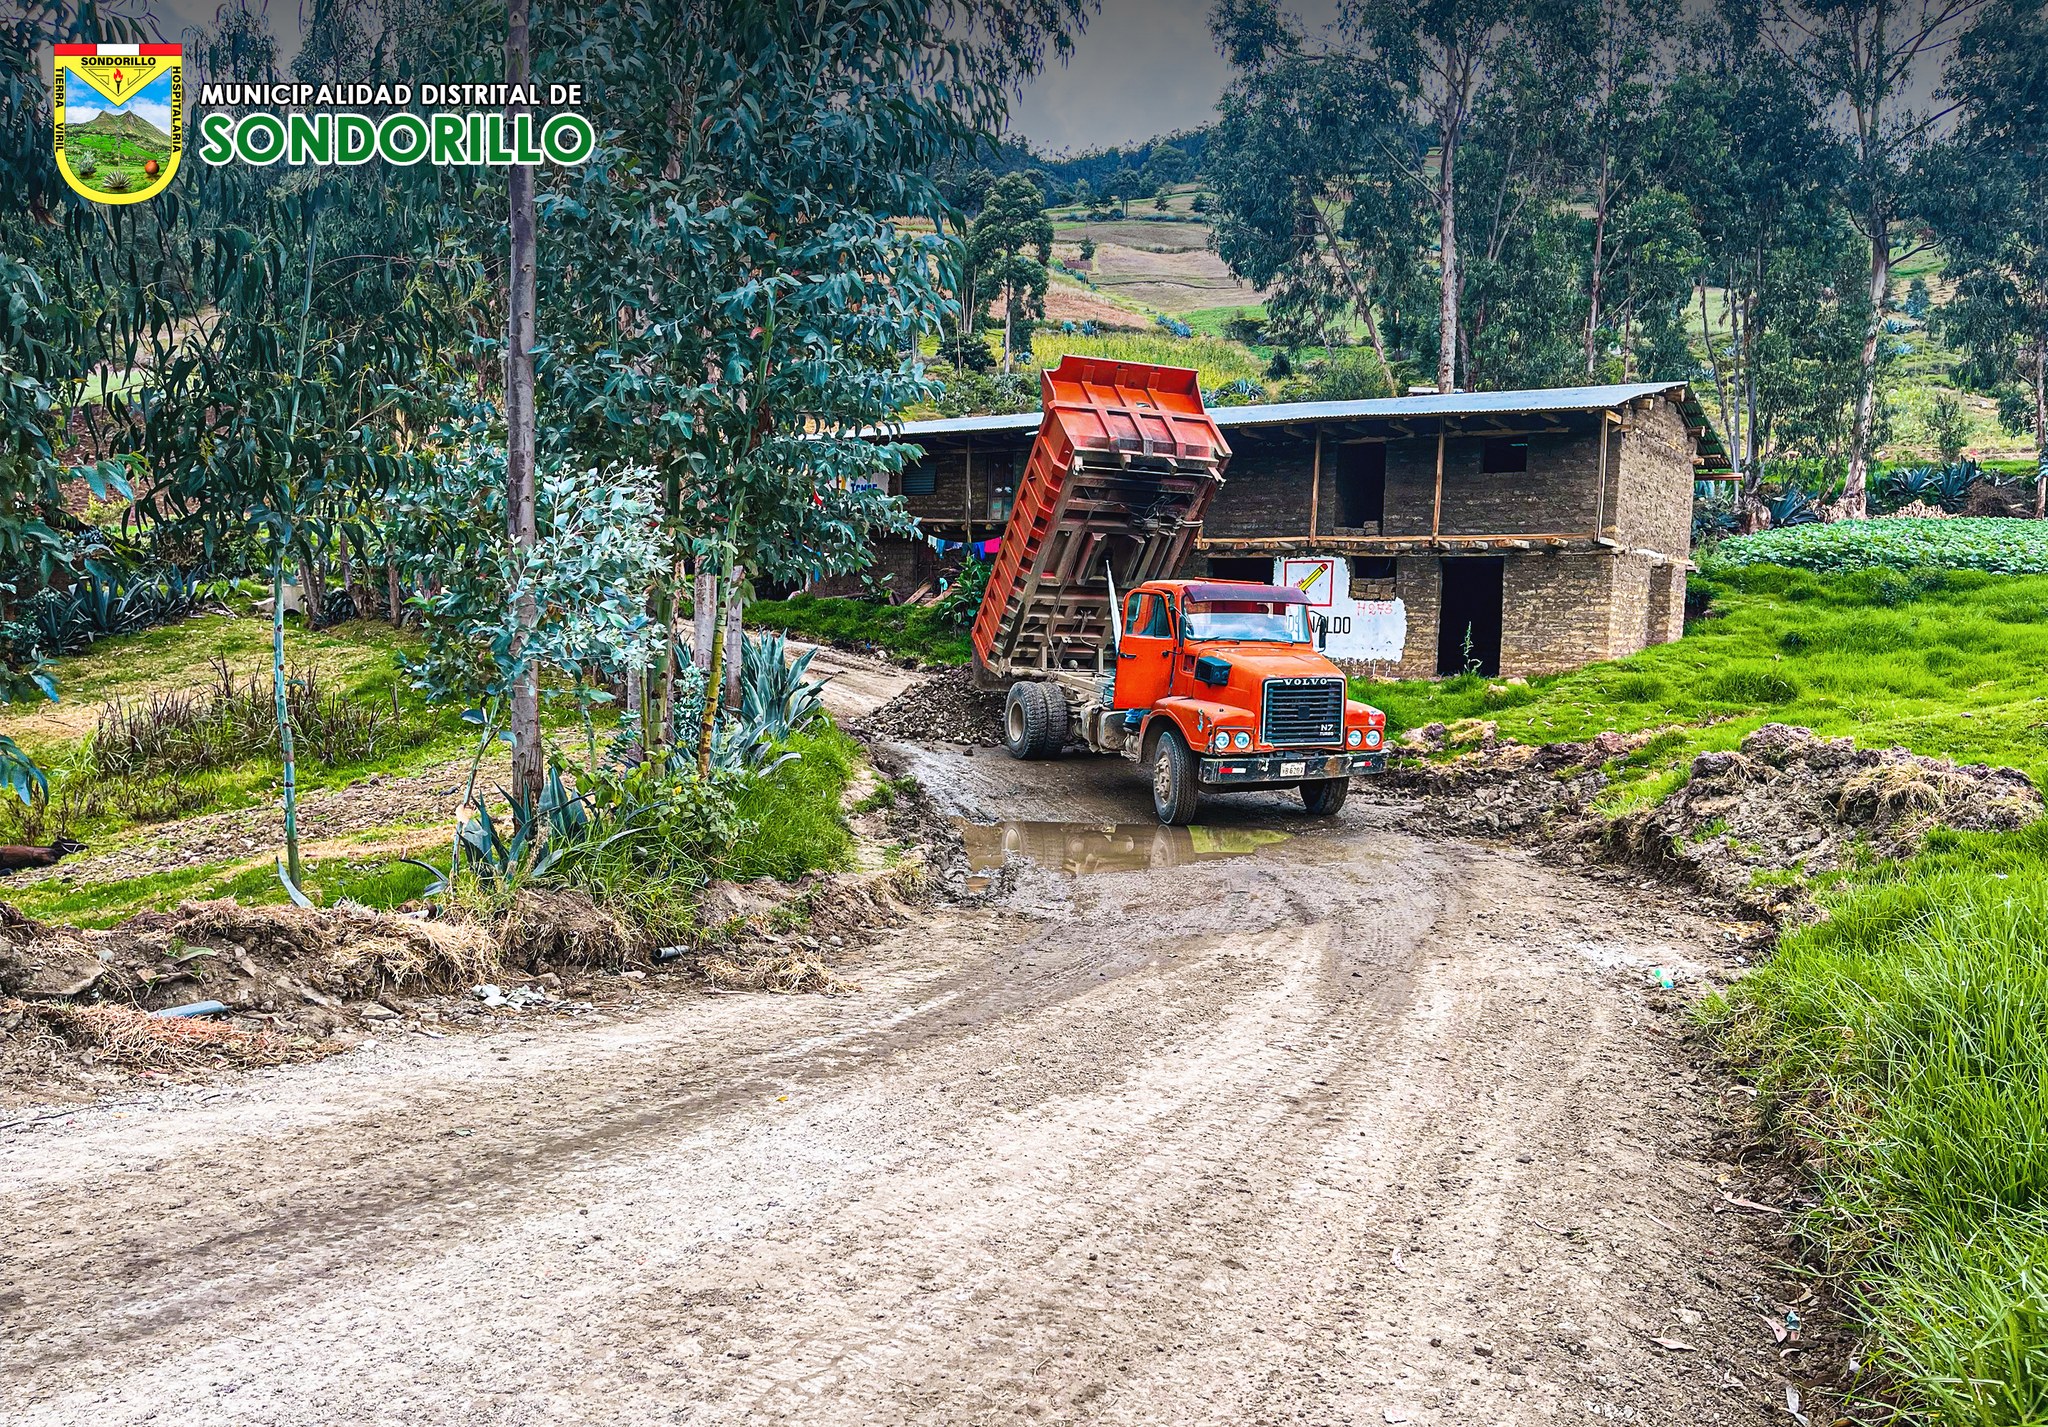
(1176, 784)
(1324, 796)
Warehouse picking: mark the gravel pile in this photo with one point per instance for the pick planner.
(945, 708)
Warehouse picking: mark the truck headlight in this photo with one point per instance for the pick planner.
(1220, 742)
(1355, 737)
(1372, 738)
(1241, 739)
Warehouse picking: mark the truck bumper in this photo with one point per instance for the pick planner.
(1285, 769)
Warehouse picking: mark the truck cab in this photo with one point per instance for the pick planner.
(1220, 685)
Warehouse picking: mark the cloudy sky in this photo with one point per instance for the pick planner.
(83, 103)
(1144, 67)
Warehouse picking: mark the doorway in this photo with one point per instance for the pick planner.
(1468, 634)
(1360, 472)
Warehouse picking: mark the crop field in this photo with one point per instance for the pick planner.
(2010, 547)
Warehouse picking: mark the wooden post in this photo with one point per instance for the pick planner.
(1436, 514)
(967, 499)
(1600, 488)
(1315, 489)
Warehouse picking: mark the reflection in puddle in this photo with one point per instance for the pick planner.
(1079, 848)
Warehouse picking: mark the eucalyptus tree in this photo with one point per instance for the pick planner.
(729, 290)
(1991, 210)
(1618, 68)
(1009, 245)
(1747, 149)
(1310, 200)
(1862, 61)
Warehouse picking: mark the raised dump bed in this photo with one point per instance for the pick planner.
(1118, 479)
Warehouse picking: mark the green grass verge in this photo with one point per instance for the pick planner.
(1945, 663)
(1904, 1039)
(919, 632)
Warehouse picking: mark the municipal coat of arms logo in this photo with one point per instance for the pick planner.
(120, 119)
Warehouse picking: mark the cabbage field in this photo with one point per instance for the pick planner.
(2008, 547)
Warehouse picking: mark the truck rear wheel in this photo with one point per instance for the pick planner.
(1324, 796)
(1176, 787)
(1034, 720)
(1057, 717)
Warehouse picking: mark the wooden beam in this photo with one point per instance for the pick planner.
(1600, 491)
(967, 499)
(1315, 485)
(1436, 514)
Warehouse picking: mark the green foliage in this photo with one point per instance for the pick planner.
(1218, 362)
(920, 632)
(2005, 546)
(1949, 424)
(775, 697)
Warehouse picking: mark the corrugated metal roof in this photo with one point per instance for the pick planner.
(1462, 403)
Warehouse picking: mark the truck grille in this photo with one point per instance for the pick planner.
(1300, 712)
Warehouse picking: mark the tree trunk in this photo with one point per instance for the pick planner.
(520, 340)
(1447, 257)
(705, 605)
(286, 758)
(1593, 288)
(311, 591)
(714, 674)
(393, 608)
(1009, 325)
(1854, 505)
(735, 649)
(2041, 429)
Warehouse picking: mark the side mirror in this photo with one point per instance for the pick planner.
(1322, 631)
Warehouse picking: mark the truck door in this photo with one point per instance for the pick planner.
(1144, 662)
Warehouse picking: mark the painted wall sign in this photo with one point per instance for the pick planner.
(1359, 629)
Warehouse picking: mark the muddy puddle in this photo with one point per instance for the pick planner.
(1079, 849)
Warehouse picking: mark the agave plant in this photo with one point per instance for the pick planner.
(1949, 487)
(775, 697)
(546, 833)
(1904, 486)
(1793, 506)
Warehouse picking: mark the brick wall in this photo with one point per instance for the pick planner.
(906, 563)
(1653, 509)
(1557, 611)
(1265, 493)
(1553, 497)
(1418, 584)
(951, 499)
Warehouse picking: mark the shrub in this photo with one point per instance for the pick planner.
(116, 182)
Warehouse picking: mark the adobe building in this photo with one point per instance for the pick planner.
(1515, 532)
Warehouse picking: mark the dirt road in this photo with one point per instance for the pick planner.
(1257, 1124)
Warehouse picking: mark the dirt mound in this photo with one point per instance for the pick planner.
(1748, 826)
(945, 708)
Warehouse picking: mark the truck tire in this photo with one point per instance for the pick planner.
(1176, 785)
(1323, 797)
(1057, 719)
(1024, 721)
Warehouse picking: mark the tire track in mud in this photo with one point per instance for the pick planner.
(1293, 1140)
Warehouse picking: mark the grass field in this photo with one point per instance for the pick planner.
(1901, 1044)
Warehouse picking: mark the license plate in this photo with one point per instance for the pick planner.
(1293, 770)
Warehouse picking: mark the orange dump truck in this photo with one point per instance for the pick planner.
(1215, 685)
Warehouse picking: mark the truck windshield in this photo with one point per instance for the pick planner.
(1248, 619)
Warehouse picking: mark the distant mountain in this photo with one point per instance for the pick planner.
(125, 126)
